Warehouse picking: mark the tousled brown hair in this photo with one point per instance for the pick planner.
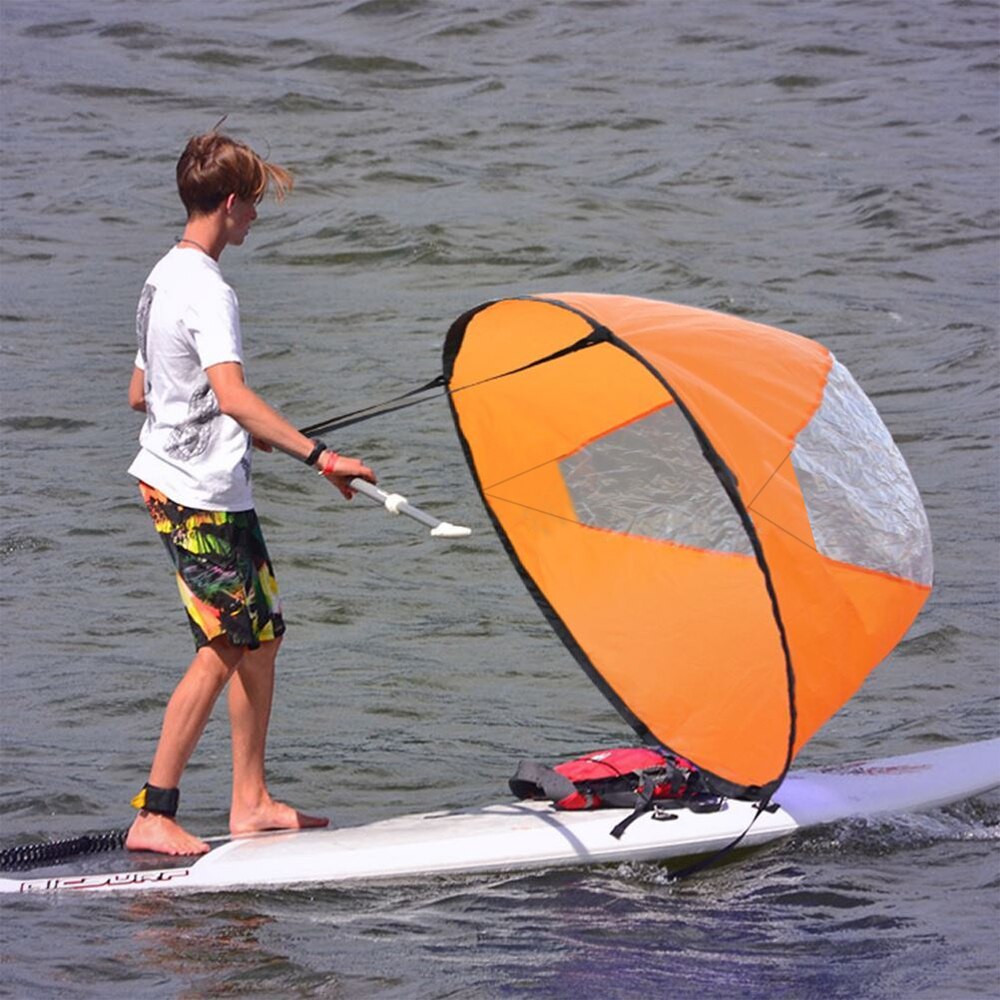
(214, 166)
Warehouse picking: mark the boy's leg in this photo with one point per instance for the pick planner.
(183, 723)
(250, 694)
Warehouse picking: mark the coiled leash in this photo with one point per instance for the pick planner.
(34, 855)
(151, 798)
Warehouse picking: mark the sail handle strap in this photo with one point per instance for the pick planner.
(598, 336)
(375, 410)
(763, 806)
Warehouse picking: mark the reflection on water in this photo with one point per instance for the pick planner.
(829, 168)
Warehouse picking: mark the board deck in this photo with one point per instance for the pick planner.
(522, 835)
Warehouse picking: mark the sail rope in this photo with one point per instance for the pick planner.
(710, 860)
(23, 856)
(377, 409)
(405, 400)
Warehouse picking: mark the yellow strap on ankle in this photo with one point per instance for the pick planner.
(154, 799)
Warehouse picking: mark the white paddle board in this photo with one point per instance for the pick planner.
(521, 835)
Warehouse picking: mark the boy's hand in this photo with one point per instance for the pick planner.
(340, 470)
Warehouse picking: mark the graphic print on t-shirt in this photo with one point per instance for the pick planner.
(188, 321)
(191, 438)
(142, 318)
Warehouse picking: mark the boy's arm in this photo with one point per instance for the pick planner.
(237, 400)
(137, 390)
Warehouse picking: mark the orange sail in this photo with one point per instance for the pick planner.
(709, 512)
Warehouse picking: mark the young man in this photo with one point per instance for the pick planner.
(193, 469)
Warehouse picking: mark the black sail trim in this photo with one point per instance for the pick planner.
(453, 343)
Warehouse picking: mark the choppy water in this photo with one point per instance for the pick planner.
(826, 166)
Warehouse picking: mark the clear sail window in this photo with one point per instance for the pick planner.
(650, 478)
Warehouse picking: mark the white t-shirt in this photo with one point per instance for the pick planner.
(188, 320)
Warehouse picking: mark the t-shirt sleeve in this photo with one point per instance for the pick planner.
(215, 324)
(139, 361)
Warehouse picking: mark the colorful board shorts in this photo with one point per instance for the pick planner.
(224, 574)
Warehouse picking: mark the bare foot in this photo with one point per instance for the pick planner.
(271, 815)
(162, 834)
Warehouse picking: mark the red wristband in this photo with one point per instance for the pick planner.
(329, 463)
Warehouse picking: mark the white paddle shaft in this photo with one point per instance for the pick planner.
(395, 503)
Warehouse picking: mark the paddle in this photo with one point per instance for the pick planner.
(397, 504)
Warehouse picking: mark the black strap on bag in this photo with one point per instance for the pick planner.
(602, 780)
(533, 780)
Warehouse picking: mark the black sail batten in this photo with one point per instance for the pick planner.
(453, 343)
(598, 335)
(404, 401)
(727, 479)
(729, 483)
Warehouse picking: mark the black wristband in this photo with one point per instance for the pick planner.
(313, 456)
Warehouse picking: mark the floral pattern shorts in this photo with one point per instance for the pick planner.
(224, 574)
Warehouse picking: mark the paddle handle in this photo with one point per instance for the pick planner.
(395, 503)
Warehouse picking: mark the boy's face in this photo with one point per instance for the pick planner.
(240, 215)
